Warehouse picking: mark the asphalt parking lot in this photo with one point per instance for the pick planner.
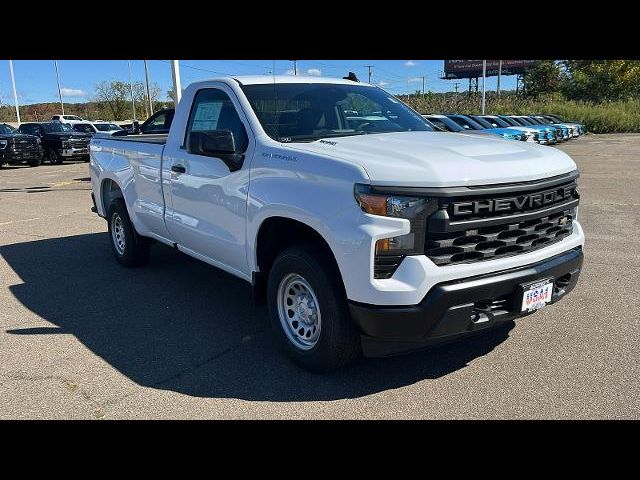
(82, 337)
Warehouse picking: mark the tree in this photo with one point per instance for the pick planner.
(115, 97)
(543, 77)
(602, 80)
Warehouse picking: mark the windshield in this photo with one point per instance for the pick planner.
(464, 120)
(71, 117)
(447, 123)
(105, 127)
(56, 127)
(499, 123)
(4, 128)
(482, 121)
(311, 111)
(523, 121)
(534, 120)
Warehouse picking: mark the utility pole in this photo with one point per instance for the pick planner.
(146, 74)
(499, 75)
(15, 95)
(177, 88)
(423, 85)
(59, 91)
(133, 101)
(369, 67)
(484, 78)
(455, 85)
(295, 67)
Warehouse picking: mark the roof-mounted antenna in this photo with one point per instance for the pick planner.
(352, 77)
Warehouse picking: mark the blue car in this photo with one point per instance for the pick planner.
(578, 128)
(563, 130)
(548, 134)
(469, 124)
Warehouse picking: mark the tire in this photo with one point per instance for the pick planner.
(86, 159)
(130, 249)
(36, 162)
(335, 341)
(54, 157)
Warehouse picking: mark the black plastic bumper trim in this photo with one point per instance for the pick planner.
(460, 307)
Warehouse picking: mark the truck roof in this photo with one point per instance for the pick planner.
(269, 79)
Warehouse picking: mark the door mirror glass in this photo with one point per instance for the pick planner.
(212, 143)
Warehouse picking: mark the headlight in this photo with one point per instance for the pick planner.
(3, 144)
(414, 209)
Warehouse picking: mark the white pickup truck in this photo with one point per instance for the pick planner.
(364, 230)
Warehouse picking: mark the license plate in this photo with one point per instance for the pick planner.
(536, 295)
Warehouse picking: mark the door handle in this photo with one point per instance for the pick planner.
(178, 169)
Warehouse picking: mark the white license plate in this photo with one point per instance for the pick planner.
(537, 295)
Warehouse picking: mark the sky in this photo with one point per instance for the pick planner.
(36, 79)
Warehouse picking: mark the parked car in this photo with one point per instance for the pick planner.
(566, 131)
(574, 128)
(562, 134)
(96, 127)
(158, 123)
(469, 124)
(71, 119)
(497, 122)
(556, 119)
(522, 120)
(59, 141)
(378, 238)
(546, 135)
(445, 124)
(17, 148)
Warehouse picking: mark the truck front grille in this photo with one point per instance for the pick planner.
(475, 227)
(511, 238)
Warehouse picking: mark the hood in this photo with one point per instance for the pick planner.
(439, 159)
(504, 131)
(17, 136)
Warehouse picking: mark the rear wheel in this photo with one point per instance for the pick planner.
(309, 312)
(36, 162)
(129, 248)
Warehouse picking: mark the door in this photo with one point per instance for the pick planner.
(206, 211)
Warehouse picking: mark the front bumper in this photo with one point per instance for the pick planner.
(461, 307)
(22, 155)
(74, 152)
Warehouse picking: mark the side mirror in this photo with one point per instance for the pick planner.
(216, 143)
(135, 127)
(466, 127)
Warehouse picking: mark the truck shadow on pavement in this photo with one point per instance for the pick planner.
(180, 325)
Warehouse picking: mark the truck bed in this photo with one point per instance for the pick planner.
(159, 139)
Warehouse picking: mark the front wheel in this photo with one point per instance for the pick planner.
(54, 157)
(309, 312)
(36, 162)
(129, 248)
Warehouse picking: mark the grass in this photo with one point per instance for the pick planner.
(610, 117)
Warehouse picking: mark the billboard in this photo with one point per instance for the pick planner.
(473, 68)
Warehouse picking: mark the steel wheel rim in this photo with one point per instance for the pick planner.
(299, 311)
(117, 233)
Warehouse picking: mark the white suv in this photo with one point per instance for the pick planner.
(67, 118)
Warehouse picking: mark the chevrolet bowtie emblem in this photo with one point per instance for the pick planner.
(563, 221)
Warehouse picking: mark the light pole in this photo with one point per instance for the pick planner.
(59, 91)
(133, 102)
(177, 88)
(146, 74)
(484, 77)
(499, 75)
(15, 95)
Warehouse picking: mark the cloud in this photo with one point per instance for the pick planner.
(289, 72)
(415, 79)
(315, 72)
(72, 92)
(382, 83)
(410, 63)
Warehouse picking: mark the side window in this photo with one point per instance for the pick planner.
(212, 109)
(158, 123)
